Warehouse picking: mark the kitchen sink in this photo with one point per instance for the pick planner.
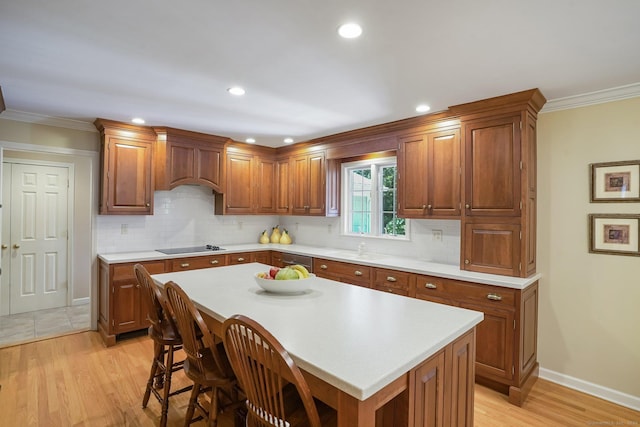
(354, 255)
(190, 249)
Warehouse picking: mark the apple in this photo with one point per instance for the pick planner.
(273, 271)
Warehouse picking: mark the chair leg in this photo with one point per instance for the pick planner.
(157, 352)
(213, 409)
(192, 404)
(167, 386)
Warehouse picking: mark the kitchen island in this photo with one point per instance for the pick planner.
(368, 354)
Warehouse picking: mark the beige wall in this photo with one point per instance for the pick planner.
(589, 304)
(74, 147)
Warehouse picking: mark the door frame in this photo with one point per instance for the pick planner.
(70, 214)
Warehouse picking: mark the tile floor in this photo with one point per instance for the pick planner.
(35, 325)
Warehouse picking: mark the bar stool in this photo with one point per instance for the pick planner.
(166, 340)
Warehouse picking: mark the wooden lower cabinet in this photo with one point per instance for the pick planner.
(393, 281)
(263, 257)
(506, 350)
(121, 308)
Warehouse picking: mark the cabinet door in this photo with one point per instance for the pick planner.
(308, 182)
(299, 184)
(208, 166)
(444, 173)
(462, 380)
(127, 177)
(316, 184)
(428, 393)
(238, 194)
(282, 190)
(495, 338)
(412, 179)
(265, 199)
(263, 257)
(182, 164)
(127, 306)
(492, 247)
(492, 167)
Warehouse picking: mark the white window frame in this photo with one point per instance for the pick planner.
(376, 203)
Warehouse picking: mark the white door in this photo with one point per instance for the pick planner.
(38, 240)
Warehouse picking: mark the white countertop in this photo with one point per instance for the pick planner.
(356, 339)
(372, 259)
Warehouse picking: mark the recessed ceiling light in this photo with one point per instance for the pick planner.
(350, 30)
(250, 140)
(288, 140)
(236, 90)
(422, 108)
(138, 120)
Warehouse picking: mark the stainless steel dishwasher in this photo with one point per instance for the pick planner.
(290, 259)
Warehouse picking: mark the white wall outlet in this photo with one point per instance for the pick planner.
(437, 235)
(124, 228)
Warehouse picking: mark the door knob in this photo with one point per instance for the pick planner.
(16, 246)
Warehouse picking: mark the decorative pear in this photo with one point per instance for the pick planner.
(285, 239)
(264, 237)
(275, 235)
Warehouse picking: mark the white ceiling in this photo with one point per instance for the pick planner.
(171, 62)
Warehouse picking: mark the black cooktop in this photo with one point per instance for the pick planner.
(206, 248)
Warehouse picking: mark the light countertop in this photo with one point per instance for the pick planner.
(356, 339)
(410, 265)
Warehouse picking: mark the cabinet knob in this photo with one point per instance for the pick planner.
(494, 297)
(391, 279)
(390, 290)
(214, 261)
(184, 265)
(428, 206)
(358, 273)
(424, 206)
(430, 286)
(466, 261)
(16, 246)
(240, 259)
(4, 246)
(467, 206)
(148, 204)
(323, 266)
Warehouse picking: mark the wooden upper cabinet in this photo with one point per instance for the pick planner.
(250, 183)
(308, 182)
(492, 163)
(184, 157)
(127, 168)
(429, 175)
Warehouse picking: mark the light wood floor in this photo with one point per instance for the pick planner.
(75, 381)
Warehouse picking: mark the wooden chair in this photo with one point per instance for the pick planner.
(166, 340)
(206, 364)
(277, 393)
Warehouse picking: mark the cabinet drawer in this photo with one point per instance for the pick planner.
(194, 263)
(125, 271)
(240, 258)
(390, 289)
(342, 269)
(392, 279)
(439, 289)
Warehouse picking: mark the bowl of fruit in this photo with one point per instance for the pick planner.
(292, 279)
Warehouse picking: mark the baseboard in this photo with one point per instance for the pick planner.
(81, 301)
(602, 392)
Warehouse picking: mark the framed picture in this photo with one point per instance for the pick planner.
(616, 234)
(615, 181)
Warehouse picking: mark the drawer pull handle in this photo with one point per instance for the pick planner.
(358, 273)
(391, 279)
(494, 297)
(324, 267)
(214, 261)
(184, 265)
(430, 286)
(240, 259)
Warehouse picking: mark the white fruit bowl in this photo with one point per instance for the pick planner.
(294, 286)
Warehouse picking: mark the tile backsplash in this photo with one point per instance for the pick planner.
(184, 217)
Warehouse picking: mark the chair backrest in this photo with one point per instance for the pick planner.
(157, 309)
(263, 367)
(197, 339)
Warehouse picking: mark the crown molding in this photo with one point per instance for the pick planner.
(592, 98)
(23, 116)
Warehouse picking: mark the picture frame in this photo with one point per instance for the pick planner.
(614, 234)
(615, 181)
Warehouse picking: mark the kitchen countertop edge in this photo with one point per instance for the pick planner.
(409, 265)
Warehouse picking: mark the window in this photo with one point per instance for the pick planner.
(369, 199)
